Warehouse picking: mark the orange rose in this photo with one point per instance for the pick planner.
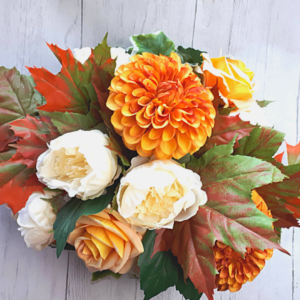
(232, 79)
(234, 270)
(160, 106)
(106, 241)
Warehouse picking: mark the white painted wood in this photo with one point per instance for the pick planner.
(26, 26)
(26, 274)
(264, 34)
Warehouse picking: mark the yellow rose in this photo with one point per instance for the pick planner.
(232, 79)
(106, 242)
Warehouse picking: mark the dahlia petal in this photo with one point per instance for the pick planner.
(155, 133)
(168, 133)
(116, 120)
(128, 138)
(111, 103)
(149, 144)
(128, 121)
(168, 147)
(143, 152)
(184, 142)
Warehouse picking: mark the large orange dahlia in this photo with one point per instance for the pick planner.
(233, 269)
(160, 106)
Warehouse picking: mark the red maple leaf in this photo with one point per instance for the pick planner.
(15, 192)
(7, 137)
(34, 135)
(293, 154)
(18, 180)
(64, 92)
(279, 157)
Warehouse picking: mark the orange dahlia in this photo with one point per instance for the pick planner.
(160, 106)
(234, 270)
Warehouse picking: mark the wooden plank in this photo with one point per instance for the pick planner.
(259, 34)
(27, 274)
(27, 25)
(123, 18)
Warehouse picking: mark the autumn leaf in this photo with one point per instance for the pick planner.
(263, 143)
(229, 216)
(17, 183)
(102, 75)
(116, 148)
(17, 95)
(7, 137)
(68, 122)
(226, 127)
(293, 153)
(282, 197)
(64, 92)
(17, 176)
(34, 134)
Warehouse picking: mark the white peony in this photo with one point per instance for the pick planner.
(253, 114)
(121, 55)
(80, 163)
(82, 54)
(157, 193)
(36, 221)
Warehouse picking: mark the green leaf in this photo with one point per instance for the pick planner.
(190, 55)
(263, 143)
(73, 210)
(159, 272)
(264, 103)
(17, 95)
(187, 289)
(225, 111)
(5, 156)
(103, 274)
(116, 148)
(156, 43)
(184, 160)
(102, 57)
(68, 122)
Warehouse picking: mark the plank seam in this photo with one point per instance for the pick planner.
(194, 26)
(81, 25)
(67, 278)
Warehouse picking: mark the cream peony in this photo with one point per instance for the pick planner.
(80, 163)
(155, 194)
(36, 221)
(82, 54)
(121, 56)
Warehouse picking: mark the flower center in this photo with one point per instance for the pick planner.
(169, 93)
(70, 164)
(160, 203)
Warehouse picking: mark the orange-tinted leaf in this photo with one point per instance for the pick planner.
(34, 134)
(279, 157)
(7, 137)
(16, 192)
(293, 154)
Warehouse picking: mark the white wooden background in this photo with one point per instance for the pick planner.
(264, 34)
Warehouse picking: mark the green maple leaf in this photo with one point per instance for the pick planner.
(190, 55)
(156, 43)
(263, 143)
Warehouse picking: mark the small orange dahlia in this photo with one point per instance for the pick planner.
(160, 106)
(234, 270)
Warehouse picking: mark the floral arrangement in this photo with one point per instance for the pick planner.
(152, 160)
